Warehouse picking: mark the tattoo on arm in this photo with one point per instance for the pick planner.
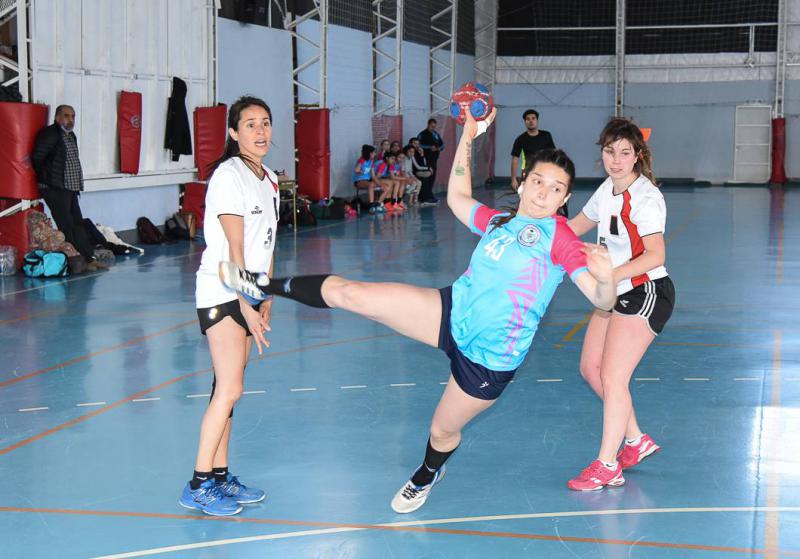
(460, 168)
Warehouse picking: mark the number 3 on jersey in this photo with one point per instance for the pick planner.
(494, 248)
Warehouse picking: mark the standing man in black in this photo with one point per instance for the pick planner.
(432, 144)
(58, 169)
(527, 144)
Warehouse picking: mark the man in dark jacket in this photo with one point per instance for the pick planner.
(58, 169)
(432, 144)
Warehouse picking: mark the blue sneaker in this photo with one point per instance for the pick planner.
(234, 489)
(209, 499)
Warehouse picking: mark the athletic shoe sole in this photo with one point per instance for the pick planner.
(194, 507)
(251, 501)
(229, 274)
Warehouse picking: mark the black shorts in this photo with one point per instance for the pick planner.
(476, 380)
(209, 316)
(653, 301)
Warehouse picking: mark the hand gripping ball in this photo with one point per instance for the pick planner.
(472, 95)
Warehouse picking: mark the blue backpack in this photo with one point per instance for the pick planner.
(44, 264)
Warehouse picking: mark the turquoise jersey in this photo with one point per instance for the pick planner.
(514, 271)
(366, 170)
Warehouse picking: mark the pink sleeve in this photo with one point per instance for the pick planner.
(567, 250)
(480, 217)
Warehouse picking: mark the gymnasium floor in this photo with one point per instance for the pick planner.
(104, 379)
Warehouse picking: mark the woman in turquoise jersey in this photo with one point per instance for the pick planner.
(486, 320)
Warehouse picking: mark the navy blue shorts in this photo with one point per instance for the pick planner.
(476, 380)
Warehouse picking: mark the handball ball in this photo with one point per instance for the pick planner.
(472, 95)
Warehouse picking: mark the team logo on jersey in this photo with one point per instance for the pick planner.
(256, 211)
(529, 235)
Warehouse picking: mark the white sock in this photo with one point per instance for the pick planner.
(634, 442)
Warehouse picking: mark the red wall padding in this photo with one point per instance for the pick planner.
(778, 151)
(19, 124)
(14, 229)
(194, 200)
(129, 128)
(210, 129)
(312, 141)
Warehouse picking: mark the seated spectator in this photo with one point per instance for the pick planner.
(413, 184)
(364, 177)
(387, 175)
(383, 150)
(394, 148)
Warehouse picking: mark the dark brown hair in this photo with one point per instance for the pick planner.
(234, 114)
(556, 157)
(620, 128)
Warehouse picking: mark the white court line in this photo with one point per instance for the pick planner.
(748, 378)
(549, 380)
(446, 383)
(353, 386)
(639, 379)
(400, 384)
(254, 392)
(87, 404)
(690, 379)
(265, 537)
(198, 395)
(146, 399)
(34, 409)
(302, 389)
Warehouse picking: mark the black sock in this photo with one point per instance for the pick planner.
(434, 460)
(303, 289)
(221, 474)
(198, 478)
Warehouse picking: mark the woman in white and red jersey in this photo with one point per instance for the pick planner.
(630, 215)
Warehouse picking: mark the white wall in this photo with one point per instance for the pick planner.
(693, 123)
(573, 115)
(792, 112)
(350, 102)
(414, 84)
(253, 60)
(83, 53)
(349, 94)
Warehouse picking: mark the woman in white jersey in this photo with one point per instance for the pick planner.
(629, 213)
(241, 221)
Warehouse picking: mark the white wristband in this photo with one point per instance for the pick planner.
(483, 126)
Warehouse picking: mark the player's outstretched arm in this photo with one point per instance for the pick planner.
(459, 186)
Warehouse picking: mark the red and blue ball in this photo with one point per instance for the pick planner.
(474, 96)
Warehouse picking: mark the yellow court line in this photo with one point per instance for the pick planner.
(577, 328)
(773, 433)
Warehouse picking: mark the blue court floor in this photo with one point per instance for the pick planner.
(104, 378)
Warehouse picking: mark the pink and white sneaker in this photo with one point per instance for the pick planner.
(596, 476)
(630, 455)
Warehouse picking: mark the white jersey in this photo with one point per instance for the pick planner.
(623, 219)
(235, 190)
